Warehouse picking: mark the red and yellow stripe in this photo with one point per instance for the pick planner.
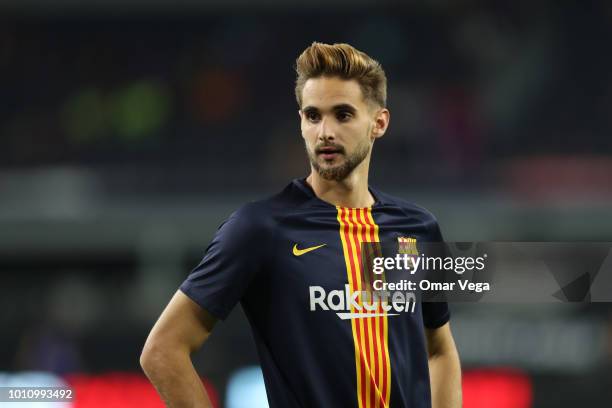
(370, 334)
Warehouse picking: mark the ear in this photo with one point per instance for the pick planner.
(301, 114)
(381, 122)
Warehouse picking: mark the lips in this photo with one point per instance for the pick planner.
(329, 152)
(328, 156)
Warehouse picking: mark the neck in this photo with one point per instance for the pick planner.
(351, 192)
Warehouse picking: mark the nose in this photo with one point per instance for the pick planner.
(326, 130)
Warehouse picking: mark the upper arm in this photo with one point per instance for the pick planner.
(440, 340)
(182, 325)
(230, 263)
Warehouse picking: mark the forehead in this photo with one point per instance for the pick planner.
(325, 92)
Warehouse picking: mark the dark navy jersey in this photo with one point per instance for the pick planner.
(293, 262)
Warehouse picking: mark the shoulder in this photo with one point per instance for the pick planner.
(411, 210)
(406, 206)
(263, 215)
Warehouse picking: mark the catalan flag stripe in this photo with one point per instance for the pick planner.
(345, 232)
(370, 334)
(385, 328)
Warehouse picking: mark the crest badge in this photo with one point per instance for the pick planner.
(407, 245)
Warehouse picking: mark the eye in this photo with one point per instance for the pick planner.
(344, 116)
(312, 116)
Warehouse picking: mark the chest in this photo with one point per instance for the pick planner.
(321, 248)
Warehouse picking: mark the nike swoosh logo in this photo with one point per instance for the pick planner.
(300, 252)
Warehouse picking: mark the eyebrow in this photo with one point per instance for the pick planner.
(340, 107)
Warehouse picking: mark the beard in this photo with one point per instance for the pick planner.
(339, 171)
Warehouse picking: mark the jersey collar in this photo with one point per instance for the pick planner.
(305, 187)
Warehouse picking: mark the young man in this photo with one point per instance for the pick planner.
(293, 261)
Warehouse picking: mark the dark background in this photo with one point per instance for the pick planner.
(130, 130)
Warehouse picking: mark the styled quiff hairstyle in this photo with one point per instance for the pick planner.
(346, 62)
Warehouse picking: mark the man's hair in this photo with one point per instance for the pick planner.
(346, 62)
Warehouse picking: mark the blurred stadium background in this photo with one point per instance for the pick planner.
(130, 129)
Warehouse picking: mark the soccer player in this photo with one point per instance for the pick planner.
(293, 261)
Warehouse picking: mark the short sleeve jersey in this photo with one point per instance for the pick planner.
(293, 262)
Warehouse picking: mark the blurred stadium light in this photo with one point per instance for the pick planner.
(502, 388)
(120, 390)
(246, 389)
